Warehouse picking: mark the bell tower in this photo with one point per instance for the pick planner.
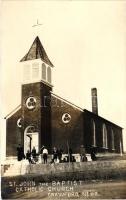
(36, 64)
(36, 88)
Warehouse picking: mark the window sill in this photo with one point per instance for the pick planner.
(105, 148)
(94, 146)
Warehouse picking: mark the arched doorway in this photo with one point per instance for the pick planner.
(31, 139)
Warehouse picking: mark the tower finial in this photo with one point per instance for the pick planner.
(37, 24)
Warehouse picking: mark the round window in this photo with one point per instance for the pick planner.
(31, 103)
(66, 118)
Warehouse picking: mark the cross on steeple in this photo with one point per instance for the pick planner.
(37, 24)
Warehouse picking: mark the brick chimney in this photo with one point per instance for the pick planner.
(94, 100)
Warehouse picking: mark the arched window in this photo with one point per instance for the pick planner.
(113, 142)
(43, 71)
(93, 133)
(49, 74)
(104, 135)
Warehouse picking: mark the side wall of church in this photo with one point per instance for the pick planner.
(113, 134)
(13, 134)
(64, 134)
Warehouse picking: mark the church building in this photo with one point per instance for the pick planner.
(44, 118)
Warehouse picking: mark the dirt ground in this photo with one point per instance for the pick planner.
(71, 190)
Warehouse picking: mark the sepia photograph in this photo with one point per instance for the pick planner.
(63, 99)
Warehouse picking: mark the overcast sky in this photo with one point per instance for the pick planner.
(85, 41)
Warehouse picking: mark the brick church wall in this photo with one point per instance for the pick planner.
(14, 134)
(47, 118)
(71, 133)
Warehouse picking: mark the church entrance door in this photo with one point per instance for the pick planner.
(31, 139)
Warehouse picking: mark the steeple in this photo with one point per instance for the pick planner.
(37, 51)
(36, 64)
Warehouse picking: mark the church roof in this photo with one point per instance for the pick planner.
(37, 51)
(13, 112)
(100, 117)
(66, 101)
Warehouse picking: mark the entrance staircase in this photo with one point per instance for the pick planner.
(17, 168)
(101, 167)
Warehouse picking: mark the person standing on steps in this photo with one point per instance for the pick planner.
(34, 153)
(70, 156)
(83, 154)
(93, 154)
(20, 153)
(28, 156)
(60, 152)
(45, 155)
(55, 155)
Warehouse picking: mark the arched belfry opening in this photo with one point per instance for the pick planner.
(49, 74)
(43, 71)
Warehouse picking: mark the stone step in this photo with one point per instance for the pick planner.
(111, 156)
(87, 167)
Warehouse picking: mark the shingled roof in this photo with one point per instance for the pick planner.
(37, 51)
